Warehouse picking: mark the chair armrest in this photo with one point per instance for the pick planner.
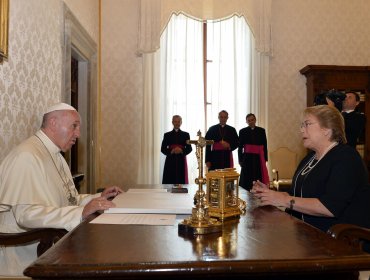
(77, 179)
(351, 234)
(46, 236)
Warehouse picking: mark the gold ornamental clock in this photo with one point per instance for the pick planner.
(223, 194)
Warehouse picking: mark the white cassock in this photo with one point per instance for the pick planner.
(36, 191)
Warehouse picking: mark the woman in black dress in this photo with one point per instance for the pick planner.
(330, 185)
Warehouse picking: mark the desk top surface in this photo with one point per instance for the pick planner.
(264, 240)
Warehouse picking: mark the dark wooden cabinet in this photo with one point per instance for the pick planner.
(357, 78)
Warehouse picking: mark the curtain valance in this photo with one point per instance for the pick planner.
(155, 14)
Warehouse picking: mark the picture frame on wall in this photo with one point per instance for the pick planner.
(4, 27)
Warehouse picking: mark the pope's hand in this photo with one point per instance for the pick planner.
(96, 204)
(111, 192)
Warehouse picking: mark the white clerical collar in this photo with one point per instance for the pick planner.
(347, 111)
(176, 129)
(54, 149)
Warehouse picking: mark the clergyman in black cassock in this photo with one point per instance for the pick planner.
(175, 148)
(219, 155)
(252, 153)
(354, 122)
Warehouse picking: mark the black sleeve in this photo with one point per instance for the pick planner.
(188, 147)
(346, 173)
(164, 148)
(234, 139)
(208, 155)
(240, 146)
(264, 143)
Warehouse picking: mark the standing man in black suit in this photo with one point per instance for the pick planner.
(219, 155)
(252, 154)
(175, 148)
(354, 121)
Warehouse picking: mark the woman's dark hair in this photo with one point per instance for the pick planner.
(336, 96)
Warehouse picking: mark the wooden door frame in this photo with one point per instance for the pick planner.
(79, 44)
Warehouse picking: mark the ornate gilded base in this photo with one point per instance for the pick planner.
(189, 227)
(200, 223)
(228, 215)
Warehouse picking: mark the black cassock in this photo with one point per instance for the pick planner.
(354, 123)
(221, 158)
(175, 167)
(250, 162)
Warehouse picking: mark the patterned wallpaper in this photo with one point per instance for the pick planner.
(30, 79)
(333, 32)
(121, 92)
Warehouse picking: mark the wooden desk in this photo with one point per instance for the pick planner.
(265, 243)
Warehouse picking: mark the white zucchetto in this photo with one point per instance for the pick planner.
(60, 107)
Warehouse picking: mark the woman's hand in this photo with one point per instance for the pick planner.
(258, 186)
(268, 196)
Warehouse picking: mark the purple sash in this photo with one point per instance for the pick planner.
(217, 146)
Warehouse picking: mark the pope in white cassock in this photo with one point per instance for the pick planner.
(37, 190)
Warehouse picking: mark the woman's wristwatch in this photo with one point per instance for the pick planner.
(291, 204)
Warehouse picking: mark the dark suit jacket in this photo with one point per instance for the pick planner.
(354, 127)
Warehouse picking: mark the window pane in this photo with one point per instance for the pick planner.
(228, 81)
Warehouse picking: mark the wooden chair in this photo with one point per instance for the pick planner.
(351, 234)
(355, 237)
(46, 236)
(77, 180)
(283, 162)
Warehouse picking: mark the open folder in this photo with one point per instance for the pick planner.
(152, 203)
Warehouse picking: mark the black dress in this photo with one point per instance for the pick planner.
(340, 181)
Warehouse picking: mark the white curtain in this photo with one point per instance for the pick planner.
(178, 89)
(150, 140)
(229, 73)
(155, 14)
(181, 86)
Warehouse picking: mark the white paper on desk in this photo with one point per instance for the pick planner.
(135, 219)
(146, 190)
(152, 203)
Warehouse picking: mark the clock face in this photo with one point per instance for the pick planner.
(231, 196)
(214, 193)
(222, 194)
